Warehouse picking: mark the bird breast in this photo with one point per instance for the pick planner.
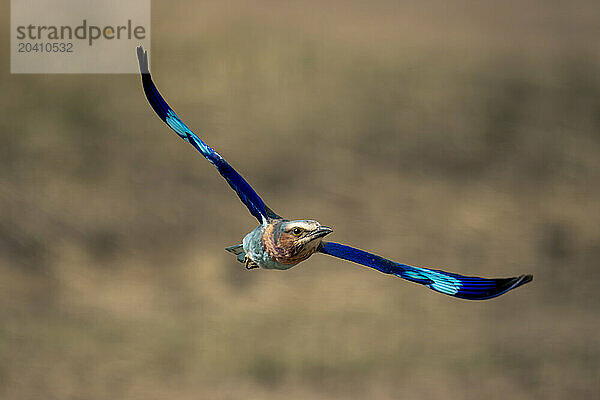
(284, 247)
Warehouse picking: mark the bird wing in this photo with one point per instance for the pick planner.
(464, 287)
(245, 192)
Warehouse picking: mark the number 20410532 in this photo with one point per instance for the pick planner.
(41, 47)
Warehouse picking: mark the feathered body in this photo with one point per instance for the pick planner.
(281, 244)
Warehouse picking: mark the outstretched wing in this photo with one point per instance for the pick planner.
(245, 192)
(464, 287)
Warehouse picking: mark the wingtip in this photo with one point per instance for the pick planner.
(143, 60)
(504, 285)
(523, 279)
(517, 282)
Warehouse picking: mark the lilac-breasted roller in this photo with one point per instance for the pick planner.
(278, 243)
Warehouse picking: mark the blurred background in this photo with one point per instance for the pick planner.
(460, 135)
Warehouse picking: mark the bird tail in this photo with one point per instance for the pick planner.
(238, 250)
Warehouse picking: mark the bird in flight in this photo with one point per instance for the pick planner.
(278, 243)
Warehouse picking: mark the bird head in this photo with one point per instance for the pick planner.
(290, 242)
(303, 232)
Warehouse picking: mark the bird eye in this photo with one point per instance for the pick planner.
(297, 231)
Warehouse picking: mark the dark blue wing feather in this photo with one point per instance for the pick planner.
(464, 287)
(245, 192)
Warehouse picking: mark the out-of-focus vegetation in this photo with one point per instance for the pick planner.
(464, 135)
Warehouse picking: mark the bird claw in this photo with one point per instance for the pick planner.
(250, 264)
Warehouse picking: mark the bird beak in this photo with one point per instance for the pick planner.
(321, 231)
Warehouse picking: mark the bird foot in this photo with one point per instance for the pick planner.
(250, 264)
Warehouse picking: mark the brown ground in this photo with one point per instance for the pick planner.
(462, 135)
